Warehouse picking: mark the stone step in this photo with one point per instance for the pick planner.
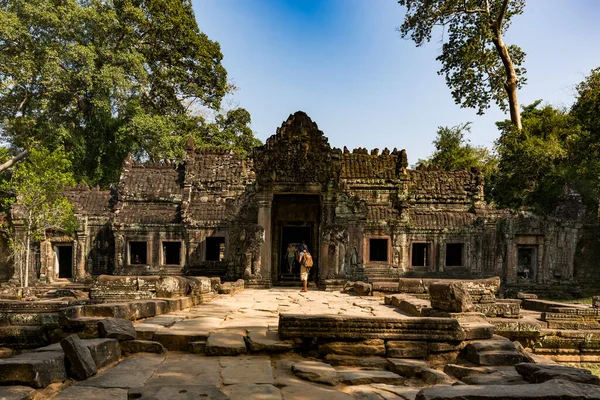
(179, 339)
(478, 330)
(37, 370)
(496, 357)
(104, 351)
(225, 344)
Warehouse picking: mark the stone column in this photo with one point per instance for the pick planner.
(80, 249)
(265, 201)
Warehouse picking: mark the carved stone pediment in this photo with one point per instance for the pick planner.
(298, 153)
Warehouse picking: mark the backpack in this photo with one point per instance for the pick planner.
(307, 260)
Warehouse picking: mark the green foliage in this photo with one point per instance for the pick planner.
(535, 163)
(102, 78)
(453, 151)
(470, 55)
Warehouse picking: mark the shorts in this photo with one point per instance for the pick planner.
(303, 273)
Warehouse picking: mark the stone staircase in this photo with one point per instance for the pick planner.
(382, 273)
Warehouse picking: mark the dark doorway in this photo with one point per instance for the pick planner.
(65, 261)
(420, 255)
(172, 253)
(454, 254)
(378, 249)
(138, 252)
(293, 236)
(215, 248)
(526, 262)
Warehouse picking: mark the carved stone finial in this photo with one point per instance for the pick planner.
(375, 152)
(346, 151)
(190, 145)
(385, 152)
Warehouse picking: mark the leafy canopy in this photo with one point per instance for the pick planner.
(102, 78)
(475, 61)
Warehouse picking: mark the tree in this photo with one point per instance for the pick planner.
(103, 78)
(536, 162)
(38, 203)
(478, 65)
(453, 151)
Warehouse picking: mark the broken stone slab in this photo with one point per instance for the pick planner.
(266, 340)
(134, 371)
(356, 361)
(37, 370)
(104, 351)
(450, 296)
(16, 393)
(371, 347)
(492, 352)
(550, 390)
(406, 367)
(142, 346)
(177, 392)
(243, 391)
(116, 328)
(225, 344)
(315, 371)
(82, 365)
(91, 393)
(146, 331)
(434, 377)
(406, 349)
(538, 373)
(363, 377)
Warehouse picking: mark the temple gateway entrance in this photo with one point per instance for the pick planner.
(295, 220)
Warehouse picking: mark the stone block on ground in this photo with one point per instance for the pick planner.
(364, 377)
(266, 340)
(37, 370)
(550, 390)
(146, 331)
(492, 352)
(407, 367)
(16, 393)
(461, 371)
(315, 371)
(104, 351)
(177, 392)
(503, 376)
(406, 349)
(363, 288)
(371, 347)
(225, 344)
(357, 361)
(179, 339)
(538, 373)
(450, 296)
(434, 377)
(82, 365)
(116, 328)
(142, 346)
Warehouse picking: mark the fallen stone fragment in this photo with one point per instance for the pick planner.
(179, 392)
(142, 346)
(433, 377)
(538, 373)
(116, 328)
(82, 365)
(492, 352)
(450, 296)
(362, 288)
(245, 391)
(360, 377)
(37, 370)
(315, 371)
(407, 367)
(16, 393)
(550, 390)
(225, 344)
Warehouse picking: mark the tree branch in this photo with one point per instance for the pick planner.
(500, 18)
(14, 160)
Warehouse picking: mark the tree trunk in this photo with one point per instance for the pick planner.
(27, 244)
(14, 160)
(511, 76)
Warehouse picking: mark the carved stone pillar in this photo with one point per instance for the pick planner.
(265, 201)
(80, 249)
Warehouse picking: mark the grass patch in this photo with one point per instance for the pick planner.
(584, 300)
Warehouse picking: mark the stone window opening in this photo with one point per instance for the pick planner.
(171, 253)
(420, 255)
(138, 253)
(454, 254)
(215, 248)
(378, 250)
(526, 260)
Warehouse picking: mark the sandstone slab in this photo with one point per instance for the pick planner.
(434, 377)
(499, 377)
(178, 339)
(450, 296)
(177, 392)
(407, 367)
(315, 371)
(16, 393)
(538, 373)
(362, 377)
(82, 365)
(266, 340)
(37, 370)
(225, 344)
(245, 391)
(371, 347)
(131, 372)
(355, 361)
(186, 369)
(91, 393)
(116, 328)
(142, 346)
(304, 392)
(243, 370)
(406, 349)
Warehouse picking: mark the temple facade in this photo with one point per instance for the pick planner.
(363, 215)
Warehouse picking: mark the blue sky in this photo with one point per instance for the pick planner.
(344, 64)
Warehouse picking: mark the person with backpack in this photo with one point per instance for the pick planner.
(306, 262)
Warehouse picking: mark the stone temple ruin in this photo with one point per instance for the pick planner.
(427, 292)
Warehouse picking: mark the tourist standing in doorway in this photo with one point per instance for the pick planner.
(303, 256)
(291, 256)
